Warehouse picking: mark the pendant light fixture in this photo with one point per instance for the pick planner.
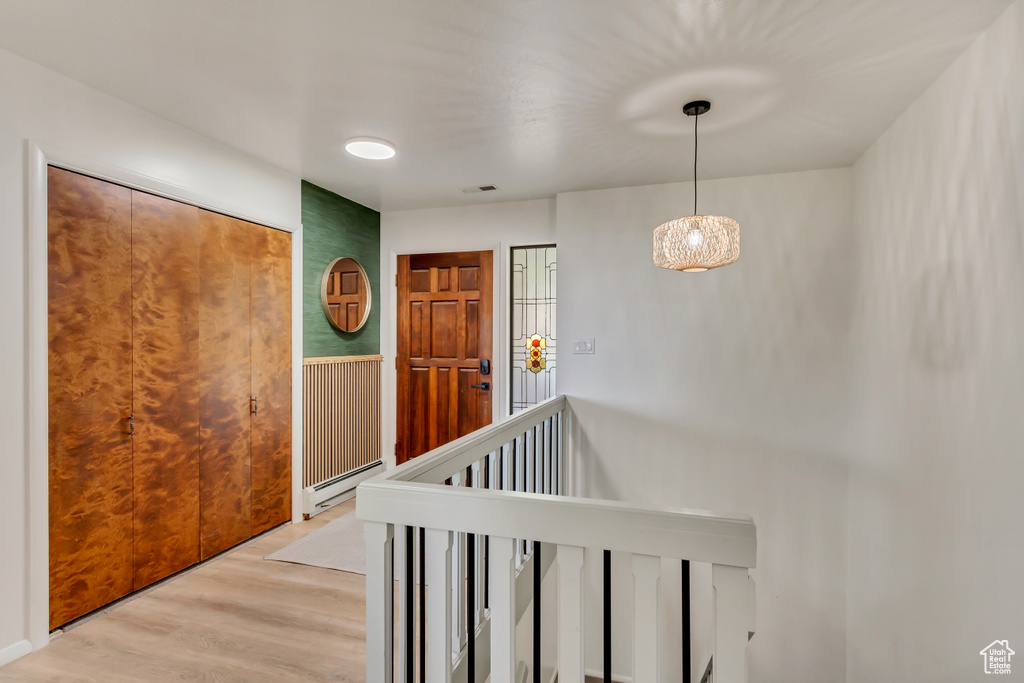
(696, 243)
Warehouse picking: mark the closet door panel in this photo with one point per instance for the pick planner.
(90, 383)
(224, 385)
(271, 378)
(165, 307)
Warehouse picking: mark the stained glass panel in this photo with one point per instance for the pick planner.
(533, 325)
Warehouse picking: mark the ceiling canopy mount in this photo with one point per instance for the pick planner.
(696, 108)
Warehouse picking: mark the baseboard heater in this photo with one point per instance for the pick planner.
(314, 496)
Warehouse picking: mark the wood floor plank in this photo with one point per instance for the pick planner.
(239, 618)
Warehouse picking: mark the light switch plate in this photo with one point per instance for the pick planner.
(583, 345)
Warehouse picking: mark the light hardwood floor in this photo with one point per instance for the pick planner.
(238, 618)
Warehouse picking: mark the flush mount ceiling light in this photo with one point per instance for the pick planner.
(370, 148)
(696, 243)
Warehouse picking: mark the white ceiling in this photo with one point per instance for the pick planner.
(534, 96)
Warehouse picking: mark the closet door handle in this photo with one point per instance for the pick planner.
(254, 408)
(131, 426)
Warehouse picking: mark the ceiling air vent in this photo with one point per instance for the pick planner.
(479, 188)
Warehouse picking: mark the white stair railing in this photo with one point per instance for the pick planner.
(469, 517)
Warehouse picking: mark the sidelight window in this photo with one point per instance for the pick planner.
(532, 325)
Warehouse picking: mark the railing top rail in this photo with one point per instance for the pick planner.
(691, 534)
(413, 494)
(437, 465)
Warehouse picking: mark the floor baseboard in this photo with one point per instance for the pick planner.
(15, 651)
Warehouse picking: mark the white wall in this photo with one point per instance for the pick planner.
(936, 519)
(64, 115)
(855, 382)
(467, 228)
(726, 390)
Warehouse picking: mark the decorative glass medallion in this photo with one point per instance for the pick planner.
(535, 347)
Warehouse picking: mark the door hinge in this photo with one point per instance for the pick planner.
(254, 405)
(396, 362)
(131, 426)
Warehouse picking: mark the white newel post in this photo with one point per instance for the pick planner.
(439, 605)
(502, 573)
(731, 623)
(646, 577)
(570, 614)
(379, 601)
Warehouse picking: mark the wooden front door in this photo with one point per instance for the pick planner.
(444, 345)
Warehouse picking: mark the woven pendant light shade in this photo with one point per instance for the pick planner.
(696, 243)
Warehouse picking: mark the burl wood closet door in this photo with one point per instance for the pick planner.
(90, 372)
(170, 388)
(225, 381)
(271, 299)
(165, 386)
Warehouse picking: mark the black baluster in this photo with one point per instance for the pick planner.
(410, 604)
(536, 611)
(391, 593)
(537, 463)
(524, 479)
(686, 621)
(487, 539)
(541, 455)
(514, 465)
(544, 457)
(423, 606)
(471, 607)
(546, 447)
(607, 616)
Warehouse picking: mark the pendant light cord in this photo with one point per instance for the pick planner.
(697, 116)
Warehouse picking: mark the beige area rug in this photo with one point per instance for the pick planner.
(338, 545)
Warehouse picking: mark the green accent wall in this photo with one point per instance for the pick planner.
(332, 227)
